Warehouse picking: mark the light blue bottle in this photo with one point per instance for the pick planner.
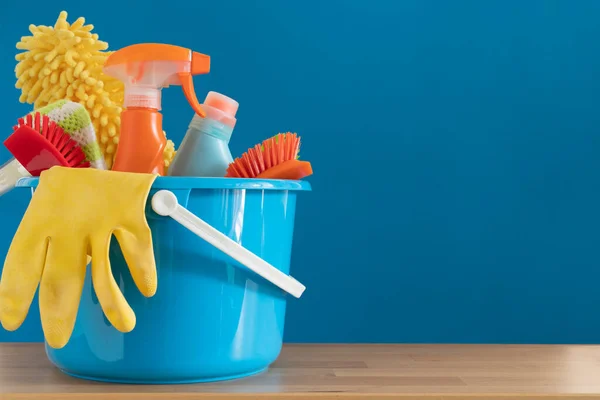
(204, 150)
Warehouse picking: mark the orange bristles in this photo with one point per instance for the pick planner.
(278, 153)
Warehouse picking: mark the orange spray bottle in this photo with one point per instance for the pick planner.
(145, 69)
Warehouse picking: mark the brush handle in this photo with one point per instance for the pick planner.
(10, 173)
(165, 203)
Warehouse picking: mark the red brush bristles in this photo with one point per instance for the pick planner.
(270, 153)
(60, 141)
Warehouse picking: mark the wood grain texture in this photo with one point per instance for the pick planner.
(327, 372)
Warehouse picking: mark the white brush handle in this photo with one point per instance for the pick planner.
(10, 173)
(165, 203)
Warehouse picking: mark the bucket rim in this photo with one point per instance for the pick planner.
(186, 182)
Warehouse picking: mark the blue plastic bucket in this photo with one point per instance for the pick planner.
(211, 318)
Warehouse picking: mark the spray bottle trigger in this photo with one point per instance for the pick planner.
(187, 83)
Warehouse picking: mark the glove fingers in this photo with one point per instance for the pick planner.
(21, 275)
(113, 303)
(139, 255)
(60, 290)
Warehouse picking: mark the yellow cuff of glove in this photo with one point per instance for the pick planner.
(73, 213)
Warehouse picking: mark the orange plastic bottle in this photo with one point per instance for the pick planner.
(145, 69)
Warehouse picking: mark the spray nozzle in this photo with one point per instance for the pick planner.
(146, 68)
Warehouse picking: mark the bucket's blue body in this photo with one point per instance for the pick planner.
(211, 319)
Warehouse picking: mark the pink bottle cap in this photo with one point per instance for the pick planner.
(221, 108)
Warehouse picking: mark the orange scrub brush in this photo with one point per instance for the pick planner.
(275, 158)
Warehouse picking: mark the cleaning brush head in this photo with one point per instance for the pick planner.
(38, 143)
(75, 121)
(274, 158)
(59, 134)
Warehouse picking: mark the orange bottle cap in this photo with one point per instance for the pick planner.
(221, 108)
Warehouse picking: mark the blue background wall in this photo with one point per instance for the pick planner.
(456, 147)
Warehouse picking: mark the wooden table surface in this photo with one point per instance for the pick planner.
(344, 371)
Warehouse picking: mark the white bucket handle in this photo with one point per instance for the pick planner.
(165, 203)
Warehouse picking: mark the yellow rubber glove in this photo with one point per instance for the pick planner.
(73, 213)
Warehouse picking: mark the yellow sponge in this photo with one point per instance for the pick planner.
(65, 62)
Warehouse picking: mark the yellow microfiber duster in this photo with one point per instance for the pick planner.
(64, 62)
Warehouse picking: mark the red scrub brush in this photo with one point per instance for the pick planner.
(37, 144)
(274, 158)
